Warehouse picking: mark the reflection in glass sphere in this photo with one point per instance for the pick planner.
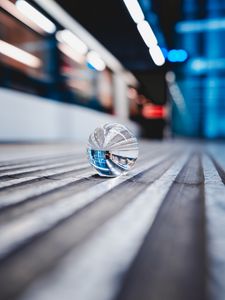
(112, 150)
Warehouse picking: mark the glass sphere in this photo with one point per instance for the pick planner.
(112, 150)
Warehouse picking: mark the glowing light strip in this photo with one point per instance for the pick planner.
(146, 33)
(202, 65)
(66, 21)
(201, 25)
(19, 55)
(71, 53)
(135, 10)
(35, 16)
(157, 55)
(12, 10)
(66, 36)
(175, 92)
(95, 60)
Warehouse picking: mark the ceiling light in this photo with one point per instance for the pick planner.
(157, 55)
(147, 33)
(11, 9)
(134, 10)
(35, 16)
(19, 55)
(95, 61)
(71, 53)
(66, 36)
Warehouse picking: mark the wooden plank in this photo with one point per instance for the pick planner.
(48, 198)
(54, 194)
(42, 161)
(59, 223)
(81, 225)
(38, 186)
(109, 251)
(25, 177)
(171, 262)
(25, 188)
(217, 156)
(29, 169)
(18, 231)
(215, 224)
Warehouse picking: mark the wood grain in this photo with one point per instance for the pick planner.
(156, 233)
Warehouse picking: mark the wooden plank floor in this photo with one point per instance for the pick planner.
(157, 233)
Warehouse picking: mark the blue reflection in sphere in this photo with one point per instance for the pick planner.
(112, 150)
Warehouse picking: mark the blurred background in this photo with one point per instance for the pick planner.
(67, 66)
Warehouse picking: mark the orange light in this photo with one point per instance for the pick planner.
(151, 111)
(20, 55)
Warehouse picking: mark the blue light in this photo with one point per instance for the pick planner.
(198, 65)
(182, 54)
(201, 25)
(172, 56)
(202, 65)
(164, 52)
(177, 55)
(91, 67)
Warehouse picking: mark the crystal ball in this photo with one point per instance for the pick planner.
(112, 150)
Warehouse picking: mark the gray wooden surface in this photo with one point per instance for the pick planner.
(157, 233)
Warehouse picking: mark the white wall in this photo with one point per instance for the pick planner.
(26, 117)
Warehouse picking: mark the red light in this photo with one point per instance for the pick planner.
(151, 111)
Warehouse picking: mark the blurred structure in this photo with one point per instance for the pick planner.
(201, 79)
(43, 51)
(155, 65)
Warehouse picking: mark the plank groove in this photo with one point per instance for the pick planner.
(105, 209)
(156, 233)
(18, 231)
(51, 173)
(119, 239)
(178, 232)
(215, 224)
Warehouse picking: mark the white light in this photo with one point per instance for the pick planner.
(198, 64)
(134, 10)
(35, 16)
(202, 65)
(147, 33)
(71, 53)
(157, 55)
(176, 94)
(19, 55)
(170, 77)
(66, 36)
(11, 8)
(201, 25)
(95, 61)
